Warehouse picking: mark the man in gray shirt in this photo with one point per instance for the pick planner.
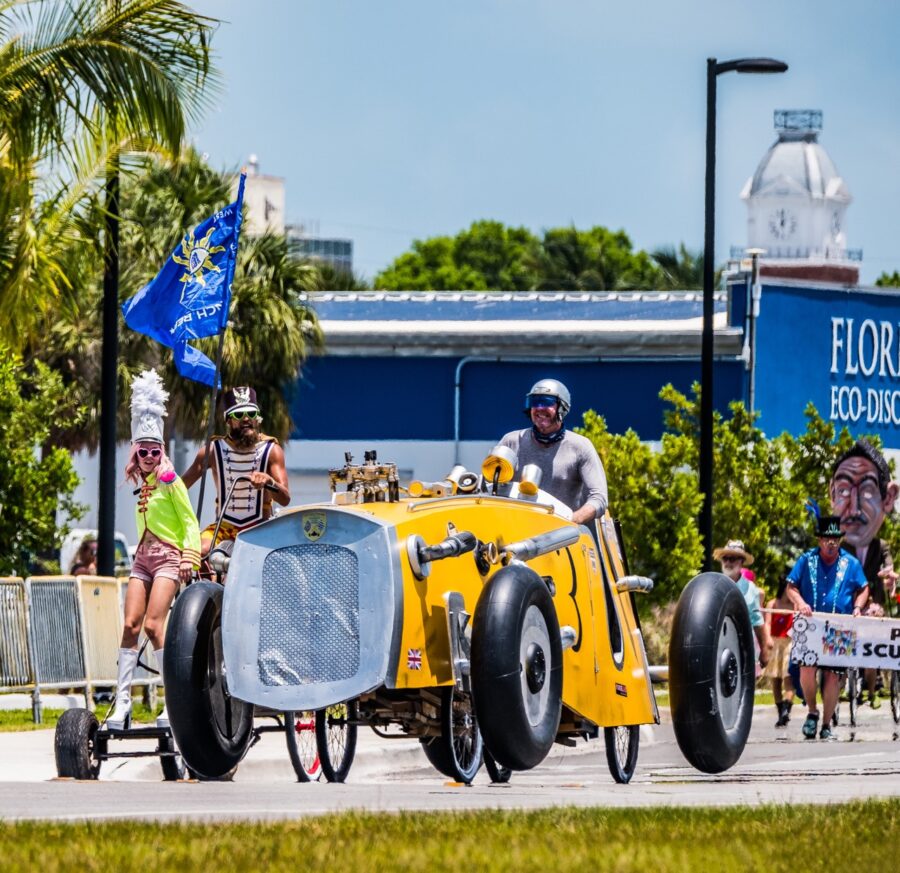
(571, 470)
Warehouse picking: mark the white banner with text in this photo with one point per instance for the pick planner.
(823, 640)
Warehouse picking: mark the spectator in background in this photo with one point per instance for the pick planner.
(862, 494)
(85, 563)
(777, 670)
(829, 580)
(734, 557)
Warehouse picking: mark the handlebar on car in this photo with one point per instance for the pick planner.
(533, 547)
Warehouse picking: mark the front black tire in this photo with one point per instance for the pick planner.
(336, 739)
(75, 745)
(457, 751)
(622, 751)
(711, 672)
(517, 667)
(211, 728)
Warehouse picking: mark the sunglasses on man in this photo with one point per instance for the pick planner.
(149, 453)
(247, 413)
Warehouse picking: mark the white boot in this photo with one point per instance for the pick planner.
(162, 720)
(121, 717)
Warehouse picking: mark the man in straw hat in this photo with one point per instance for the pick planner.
(825, 579)
(733, 558)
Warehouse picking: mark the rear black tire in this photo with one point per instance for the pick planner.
(300, 733)
(74, 745)
(517, 667)
(170, 760)
(711, 672)
(336, 739)
(457, 751)
(622, 751)
(211, 728)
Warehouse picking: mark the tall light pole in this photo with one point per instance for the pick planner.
(714, 69)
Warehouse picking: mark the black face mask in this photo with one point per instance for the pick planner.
(548, 439)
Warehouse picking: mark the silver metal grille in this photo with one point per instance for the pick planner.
(309, 615)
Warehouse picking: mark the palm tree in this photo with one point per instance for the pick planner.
(108, 72)
(271, 328)
(682, 270)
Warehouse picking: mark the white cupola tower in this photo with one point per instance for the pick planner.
(797, 204)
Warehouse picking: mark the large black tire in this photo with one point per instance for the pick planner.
(300, 733)
(74, 745)
(336, 739)
(711, 672)
(457, 751)
(517, 667)
(622, 751)
(211, 728)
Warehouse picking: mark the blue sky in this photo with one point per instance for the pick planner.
(405, 119)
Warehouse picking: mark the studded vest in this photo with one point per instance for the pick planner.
(246, 506)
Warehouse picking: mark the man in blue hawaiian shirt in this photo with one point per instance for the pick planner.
(825, 579)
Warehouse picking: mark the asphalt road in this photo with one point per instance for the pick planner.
(778, 766)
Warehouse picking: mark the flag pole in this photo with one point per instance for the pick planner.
(223, 324)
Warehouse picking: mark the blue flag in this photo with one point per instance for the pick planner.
(191, 295)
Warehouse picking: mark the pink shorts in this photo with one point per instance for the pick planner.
(156, 558)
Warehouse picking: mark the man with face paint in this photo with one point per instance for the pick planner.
(571, 470)
(862, 494)
(247, 467)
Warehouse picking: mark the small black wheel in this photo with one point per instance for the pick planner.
(622, 751)
(211, 728)
(499, 775)
(895, 695)
(336, 739)
(711, 672)
(457, 751)
(300, 732)
(517, 667)
(75, 745)
(170, 760)
(852, 693)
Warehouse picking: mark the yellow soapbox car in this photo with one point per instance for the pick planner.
(470, 613)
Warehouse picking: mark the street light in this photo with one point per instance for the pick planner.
(713, 69)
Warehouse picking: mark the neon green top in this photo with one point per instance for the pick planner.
(165, 510)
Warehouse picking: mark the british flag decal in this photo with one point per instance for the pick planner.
(413, 659)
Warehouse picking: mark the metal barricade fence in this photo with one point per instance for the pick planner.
(102, 621)
(16, 670)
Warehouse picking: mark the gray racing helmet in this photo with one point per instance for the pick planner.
(549, 388)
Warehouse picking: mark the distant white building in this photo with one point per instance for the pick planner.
(797, 205)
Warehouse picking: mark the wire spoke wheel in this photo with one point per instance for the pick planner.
(622, 751)
(300, 733)
(336, 739)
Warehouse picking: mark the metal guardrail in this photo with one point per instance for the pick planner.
(64, 632)
(16, 671)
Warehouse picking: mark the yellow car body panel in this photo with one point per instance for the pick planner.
(604, 687)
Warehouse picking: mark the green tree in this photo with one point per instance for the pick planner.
(36, 481)
(105, 72)
(681, 270)
(486, 256)
(888, 280)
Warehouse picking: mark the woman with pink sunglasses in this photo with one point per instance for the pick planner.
(169, 540)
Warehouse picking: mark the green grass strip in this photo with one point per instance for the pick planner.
(769, 838)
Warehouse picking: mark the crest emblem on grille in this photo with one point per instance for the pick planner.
(314, 524)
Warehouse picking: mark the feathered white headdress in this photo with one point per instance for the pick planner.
(148, 406)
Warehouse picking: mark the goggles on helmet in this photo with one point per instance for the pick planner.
(541, 401)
